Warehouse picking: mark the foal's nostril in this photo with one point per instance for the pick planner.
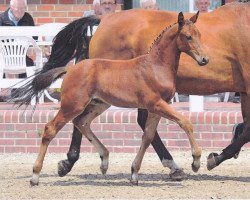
(204, 60)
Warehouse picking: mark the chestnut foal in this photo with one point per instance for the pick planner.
(145, 82)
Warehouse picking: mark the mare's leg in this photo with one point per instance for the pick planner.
(163, 109)
(176, 172)
(147, 138)
(65, 166)
(94, 108)
(82, 122)
(214, 159)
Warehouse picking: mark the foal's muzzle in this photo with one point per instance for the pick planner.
(203, 61)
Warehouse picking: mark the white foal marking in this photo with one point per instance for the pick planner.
(35, 178)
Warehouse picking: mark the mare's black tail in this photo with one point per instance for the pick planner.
(70, 42)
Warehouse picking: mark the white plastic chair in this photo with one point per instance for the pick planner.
(13, 51)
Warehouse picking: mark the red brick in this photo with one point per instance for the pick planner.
(49, 1)
(86, 149)
(114, 127)
(6, 142)
(216, 118)
(174, 127)
(34, 2)
(67, 1)
(44, 20)
(208, 117)
(64, 8)
(204, 143)
(1, 149)
(125, 149)
(224, 117)
(122, 135)
(25, 127)
(25, 142)
(112, 142)
(58, 14)
(63, 20)
(45, 7)
(57, 149)
(41, 14)
(64, 142)
(132, 142)
(15, 134)
(220, 144)
(178, 143)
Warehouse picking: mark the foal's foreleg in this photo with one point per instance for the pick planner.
(82, 122)
(176, 172)
(147, 138)
(163, 109)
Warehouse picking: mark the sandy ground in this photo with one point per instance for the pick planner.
(231, 180)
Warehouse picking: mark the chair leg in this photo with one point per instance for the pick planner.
(50, 97)
(226, 96)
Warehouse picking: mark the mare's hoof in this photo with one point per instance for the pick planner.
(211, 163)
(236, 155)
(103, 170)
(178, 175)
(63, 168)
(134, 182)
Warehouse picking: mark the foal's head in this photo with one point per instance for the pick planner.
(188, 40)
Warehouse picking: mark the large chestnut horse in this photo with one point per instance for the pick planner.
(147, 81)
(128, 34)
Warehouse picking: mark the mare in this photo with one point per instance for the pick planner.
(146, 82)
(133, 31)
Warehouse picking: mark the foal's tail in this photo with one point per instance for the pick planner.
(35, 86)
(71, 42)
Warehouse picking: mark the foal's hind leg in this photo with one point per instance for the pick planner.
(93, 109)
(176, 172)
(163, 109)
(82, 122)
(50, 131)
(147, 138)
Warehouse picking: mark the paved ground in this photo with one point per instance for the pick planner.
(231, 180)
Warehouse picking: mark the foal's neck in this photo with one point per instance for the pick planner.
(164, 52)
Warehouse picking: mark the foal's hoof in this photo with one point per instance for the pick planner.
(211, 162)
(104, 170)
(196, 165)
(177, 175)
(63, 168)
(33, 182)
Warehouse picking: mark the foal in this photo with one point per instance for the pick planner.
(146, 82)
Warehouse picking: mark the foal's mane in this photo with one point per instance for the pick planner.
(157, 39)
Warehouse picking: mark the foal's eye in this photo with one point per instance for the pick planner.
(189, 37)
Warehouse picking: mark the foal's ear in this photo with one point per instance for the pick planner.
(195, 17)
(181, 21)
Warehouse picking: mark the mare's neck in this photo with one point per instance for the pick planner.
(164, 52)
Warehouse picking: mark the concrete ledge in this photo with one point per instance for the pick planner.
(117, 129)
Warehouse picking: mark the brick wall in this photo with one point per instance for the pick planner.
(48, 11)
(117, 129)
